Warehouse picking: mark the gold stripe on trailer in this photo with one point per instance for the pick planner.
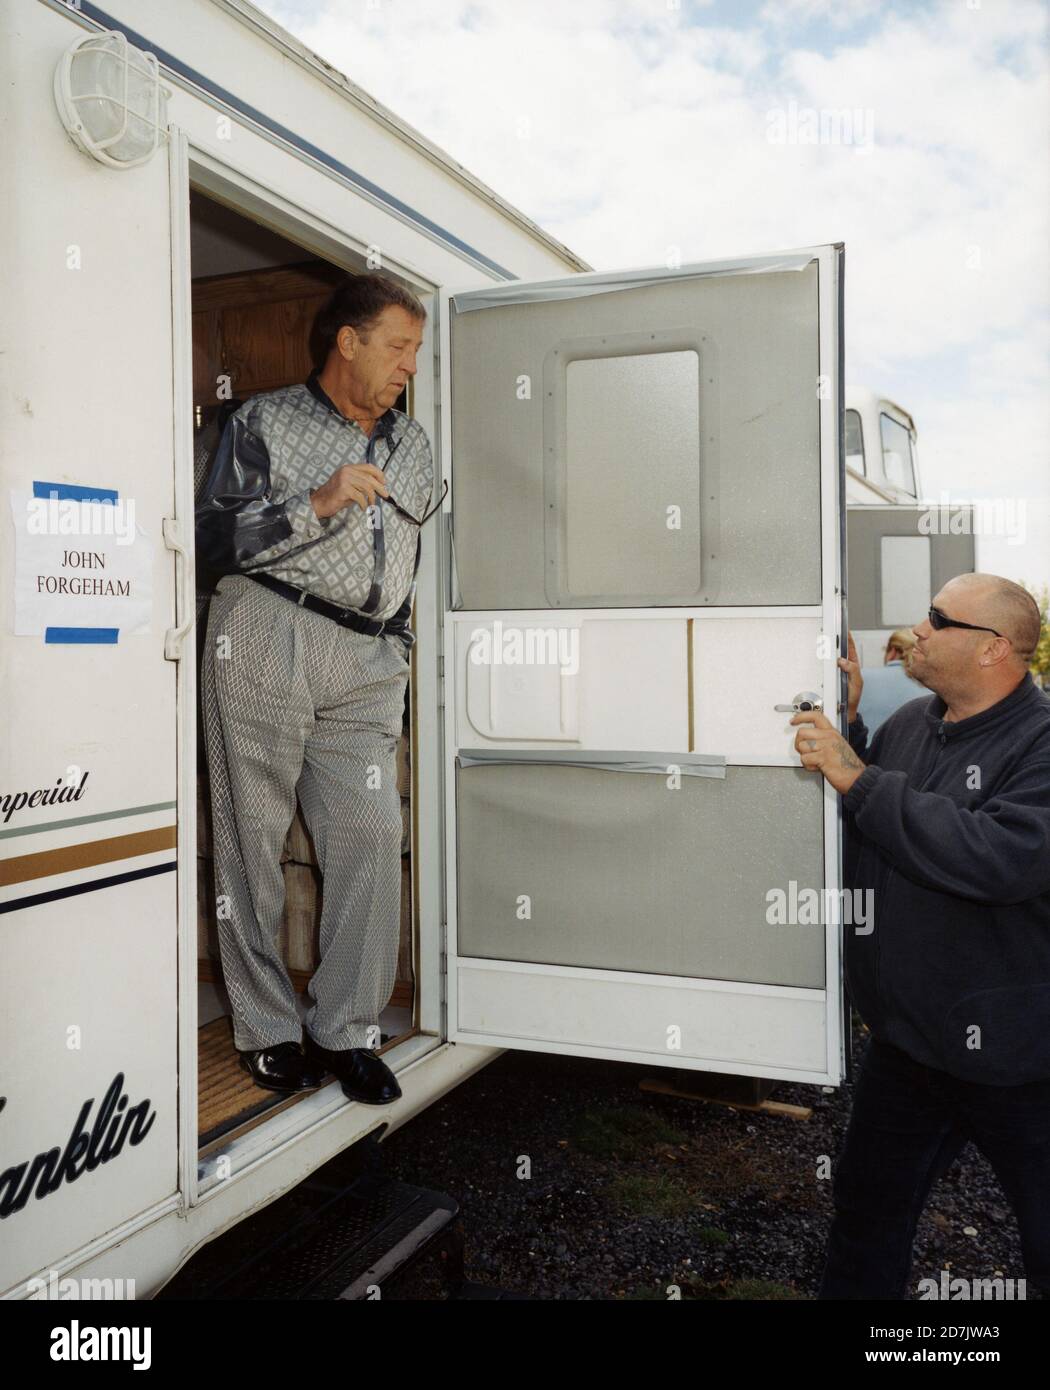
(84, 856)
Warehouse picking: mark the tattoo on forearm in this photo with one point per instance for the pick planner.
(848, 758)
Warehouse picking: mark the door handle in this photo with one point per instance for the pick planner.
(805, 700)
(171, 530)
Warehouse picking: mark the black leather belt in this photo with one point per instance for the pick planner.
(345, 617)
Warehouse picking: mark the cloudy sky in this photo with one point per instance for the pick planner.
(629, 127)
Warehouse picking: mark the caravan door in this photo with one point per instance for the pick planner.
(646, 525)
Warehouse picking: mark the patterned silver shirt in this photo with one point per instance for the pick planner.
(255, 511)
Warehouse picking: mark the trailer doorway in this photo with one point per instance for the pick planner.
(254, 297)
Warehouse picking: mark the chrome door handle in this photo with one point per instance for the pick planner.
(805, 700)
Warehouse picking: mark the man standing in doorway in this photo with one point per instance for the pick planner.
(312, 513)
(949, 824)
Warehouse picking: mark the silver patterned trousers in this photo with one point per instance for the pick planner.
(295, 703)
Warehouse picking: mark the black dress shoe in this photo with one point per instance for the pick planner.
(364, 1075)
(282, 1068)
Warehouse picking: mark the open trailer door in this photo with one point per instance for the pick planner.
(647, 508)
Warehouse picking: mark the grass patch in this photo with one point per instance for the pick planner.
(627, 1131)
(650, 1195)
(712, 1236)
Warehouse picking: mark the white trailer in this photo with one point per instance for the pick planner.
(599, 844)
(900, 551)
(882, 463)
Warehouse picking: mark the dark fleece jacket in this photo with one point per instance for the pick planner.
(949, 825)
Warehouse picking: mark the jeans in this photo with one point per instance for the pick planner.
(908, 1123)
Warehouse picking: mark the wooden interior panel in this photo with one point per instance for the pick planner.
(254, 327)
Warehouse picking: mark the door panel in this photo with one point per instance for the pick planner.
(697, 394)
(651, 479)
(669, 1022)
(743, 667)
(559, 837)
(589, 699)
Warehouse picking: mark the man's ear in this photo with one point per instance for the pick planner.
(346, 341)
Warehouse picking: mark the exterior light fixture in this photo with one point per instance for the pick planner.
(111, 100)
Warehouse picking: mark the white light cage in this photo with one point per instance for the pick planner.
(111, 101)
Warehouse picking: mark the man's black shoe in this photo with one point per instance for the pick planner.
(282, 1068)
(363, 1074)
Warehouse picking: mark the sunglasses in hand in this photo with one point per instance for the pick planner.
(418, 521)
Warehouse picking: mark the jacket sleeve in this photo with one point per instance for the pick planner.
(998, 852)
(236, 519)
(857, 731)
(865, 744)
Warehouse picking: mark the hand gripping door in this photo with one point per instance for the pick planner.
(647, 529)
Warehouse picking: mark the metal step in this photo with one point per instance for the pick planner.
(345, 1249)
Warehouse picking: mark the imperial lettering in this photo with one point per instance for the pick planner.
(63, 790)
(115, 1123)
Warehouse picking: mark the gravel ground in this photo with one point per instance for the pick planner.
(630, 1192)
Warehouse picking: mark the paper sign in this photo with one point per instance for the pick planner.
(83, 568)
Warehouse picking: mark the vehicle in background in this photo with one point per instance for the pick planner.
(900, 551)
(881, 460)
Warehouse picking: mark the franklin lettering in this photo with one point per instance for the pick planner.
(115, 1124)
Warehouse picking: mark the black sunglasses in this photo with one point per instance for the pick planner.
(426, 515)
(939, 620)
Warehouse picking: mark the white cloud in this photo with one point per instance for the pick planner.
(625, 127)
(840, 14)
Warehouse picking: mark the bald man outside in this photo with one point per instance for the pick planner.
(948, 822)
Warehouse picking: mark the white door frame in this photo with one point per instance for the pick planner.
(190, 162)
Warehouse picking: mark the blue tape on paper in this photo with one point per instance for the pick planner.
(74, 492)
(81, 634)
